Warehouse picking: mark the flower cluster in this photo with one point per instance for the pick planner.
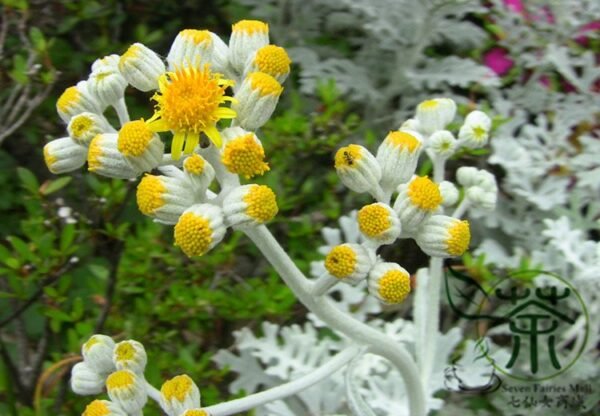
(118, 369)
(202, 83)
(418, 208)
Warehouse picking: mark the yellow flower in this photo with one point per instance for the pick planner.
(188, 103)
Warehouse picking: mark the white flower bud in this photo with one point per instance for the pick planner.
(475, 131)
(379, 222)
(141, 67)
(250, 205)
(107, 84)
(105, 159)
(435, 114)
(199, 173)
(109, 61)
(130, 355)
(357, 168)
(85, 126)
(444, 236)
(272, 60)
(179, 394)
(85, 381)
(389, 283)
(416, 202)
(64, 155)
(142, 148)
(247, 36)
(128, 390)
(256, 100)
(449, 193)
(442, 144)
(103, 408)
(98, 352)
(200, 228)
(410, 124)
(348, 262)
(191, 47)
(76, 100)
(242, 153)
(398, 156)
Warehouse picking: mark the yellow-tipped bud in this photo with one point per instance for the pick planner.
(357, 168)
(243, 153)
(247, 37)
(416, 202)
(389, 283)
(348, 262)
(179, 394)
(398, 155)
(379, 222)
(444, 236)
(199, 229)
(250, 205)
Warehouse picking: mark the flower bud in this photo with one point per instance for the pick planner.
(272, 60)
(107, 84)
(85, 126)
(142, 148)
(417, 201)
(357, 168)
(165, 198)
(141, 67)
(379, 222)
(199, 229)
(256, 100)
(179, 394)
(109, 61)
(97, 353)
(348, 262)
(444, 236)
(442, 144)
(247, 36)
(243, 153)
(195, 412)
(199, 173)
(398, 155)
(250, 205)
(105, 159)
(103, 408)
(389, 283)
(190, 47)
(76, 100)
(130, 355)
(475, 131)
(85, 381)
(449, 193)
(435, 114)
(64, 155)
(128, 390)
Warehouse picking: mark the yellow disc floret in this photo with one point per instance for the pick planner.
(193, 234)
(125, 351)
(80, 125)
(424, 193)
(150, 194)
(96, 408)
(134, 138)
(460, 237)
(429, 104)
(177, 388)
(394, 286)
(272, 60)
(265, 84)
(194, 164)
(250, 26)
(49, 158)
(404, 140)
(245, 156)
(195, 412)
(68, 98)
(120, 379)
(188, 103)
(346, 157)
(261, 203)
(341, 261)
(90, 343)
(196, 36)
(94, 154)
(373, 220)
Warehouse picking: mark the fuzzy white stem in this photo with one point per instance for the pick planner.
(287, 389)
(153, 392)
(225, 178)
(361, 333)
(380, 195)
(121, 109)
(461, 208)
(323, 284)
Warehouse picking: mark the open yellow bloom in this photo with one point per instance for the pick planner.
(188, 103)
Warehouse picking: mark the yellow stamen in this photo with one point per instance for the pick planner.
(194, 164)
(193, 234)
(429, 104)
(394, 286)
(424, 193)
(460, 237)
(68, 98)
(404, 140)
(262, 203)
(125, 351)
(96, 408)
(346, 157)
(195, 412)
(479, 133)
(272, 60)
(119, 379)
(245, 156)
(177, 388)
(49, 158)
(94, 154)
(250, 26)
(373, 220)
(341, 261)
(134, 138)
(80, 125)
(196, 36)
(150, 194)
(265, 84)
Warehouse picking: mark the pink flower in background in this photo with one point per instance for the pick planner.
(515, 5)
(582, 39)
(498, 60)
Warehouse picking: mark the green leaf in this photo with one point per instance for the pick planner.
(67, 236)
(50, 187)
(19, 71)
(20, 247)
(28, 180)
(37, 39)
